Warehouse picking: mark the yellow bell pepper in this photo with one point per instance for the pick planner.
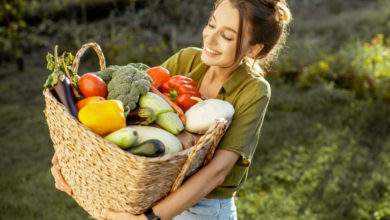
(103, 117)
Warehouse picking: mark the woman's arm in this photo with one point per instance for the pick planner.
(197, 186)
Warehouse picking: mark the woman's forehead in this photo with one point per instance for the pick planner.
(226, 15)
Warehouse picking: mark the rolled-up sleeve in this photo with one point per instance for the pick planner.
(243, 135)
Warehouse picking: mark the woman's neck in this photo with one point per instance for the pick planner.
(221, 74)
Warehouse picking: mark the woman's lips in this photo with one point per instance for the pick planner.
(210, 52)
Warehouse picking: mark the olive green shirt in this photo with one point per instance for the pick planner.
(249, 96)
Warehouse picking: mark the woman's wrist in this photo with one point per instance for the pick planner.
(157, 211)
(143, 217)
(151, 215)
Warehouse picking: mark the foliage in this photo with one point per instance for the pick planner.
(328, 158)
(12, 23)
(316, 32)
(362, 67)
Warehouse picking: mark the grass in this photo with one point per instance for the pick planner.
(26, 185)
(324, 155)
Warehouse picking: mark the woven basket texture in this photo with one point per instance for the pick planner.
(102, 175)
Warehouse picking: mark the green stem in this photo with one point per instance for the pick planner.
(173, 94)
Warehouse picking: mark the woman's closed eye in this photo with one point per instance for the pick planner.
(211, 25)
(226, 37)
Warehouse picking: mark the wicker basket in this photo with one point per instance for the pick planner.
(102, 175)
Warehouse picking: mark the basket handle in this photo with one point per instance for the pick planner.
(80, 53)
(216, 135)
(217, 138)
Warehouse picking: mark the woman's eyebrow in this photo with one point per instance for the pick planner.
(228, 28)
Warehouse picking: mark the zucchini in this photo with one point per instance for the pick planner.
(170, 141)
(149, 148)
(124, 137)
(164, 114)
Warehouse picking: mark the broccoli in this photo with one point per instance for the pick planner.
(106, 74)
(140, 66)
(126, 83)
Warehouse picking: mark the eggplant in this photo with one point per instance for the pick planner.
(70, 97)
(59, 89)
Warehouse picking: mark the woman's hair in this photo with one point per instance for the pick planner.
(269, 20)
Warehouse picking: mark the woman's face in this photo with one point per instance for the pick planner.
(221, 34)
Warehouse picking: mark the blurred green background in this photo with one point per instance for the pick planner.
(325, 144)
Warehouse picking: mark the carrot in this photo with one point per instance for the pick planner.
(178, 110)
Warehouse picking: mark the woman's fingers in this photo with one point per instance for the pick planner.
(54, 160)
(112, 215)
(59, 180)
(105, 214)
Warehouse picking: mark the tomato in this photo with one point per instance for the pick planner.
(159, 75)
(92, 85)
(83, 102)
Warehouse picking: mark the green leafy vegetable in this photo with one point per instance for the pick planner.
(60, 67)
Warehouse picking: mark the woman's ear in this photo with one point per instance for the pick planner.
(254, 50)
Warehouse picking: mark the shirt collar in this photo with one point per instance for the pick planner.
(237, 78)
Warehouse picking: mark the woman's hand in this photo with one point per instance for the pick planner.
(59, 180)
(108, 214)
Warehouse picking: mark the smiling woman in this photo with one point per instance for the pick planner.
(239, 33)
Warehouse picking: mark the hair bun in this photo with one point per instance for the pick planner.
(282, 12)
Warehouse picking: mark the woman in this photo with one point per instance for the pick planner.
(239, 33)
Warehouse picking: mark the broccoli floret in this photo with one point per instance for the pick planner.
(139, 66)
(126, 83)
(106, 74)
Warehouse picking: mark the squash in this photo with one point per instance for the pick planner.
(201, 115)
(170, 141)
(124, 137)
(149, 148)
(162, 113)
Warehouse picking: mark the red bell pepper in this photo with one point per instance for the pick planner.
(180, 89)
(159, 75)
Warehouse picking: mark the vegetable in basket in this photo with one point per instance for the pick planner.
(180, 89)
(149, 148)
(69, 96)
(153, 107)
(126, 83)
(124, 137)
(62, 81)
(83, 102)
(103, 117)
(159, 75)
(203, 114)
(92, 85)
(61, 66)
(170, 141)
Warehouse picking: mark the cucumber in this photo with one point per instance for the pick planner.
(149, 148)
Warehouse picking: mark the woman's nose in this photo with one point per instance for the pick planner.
(212, 38)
